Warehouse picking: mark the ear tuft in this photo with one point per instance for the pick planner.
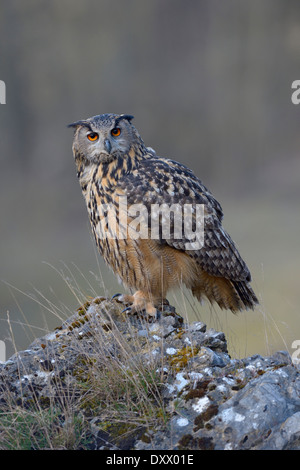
(128, 117)
(80, 123)
(75, 124)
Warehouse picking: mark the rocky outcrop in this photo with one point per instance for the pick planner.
(165, 384)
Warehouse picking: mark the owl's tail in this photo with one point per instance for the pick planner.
(228, 294)
(246, 294)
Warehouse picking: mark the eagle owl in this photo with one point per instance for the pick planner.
(114, 168)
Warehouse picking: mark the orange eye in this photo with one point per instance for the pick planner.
(93, 136)
(115, 132)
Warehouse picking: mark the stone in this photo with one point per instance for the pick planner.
(208, 399)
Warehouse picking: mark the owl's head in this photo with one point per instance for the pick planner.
(104, 137)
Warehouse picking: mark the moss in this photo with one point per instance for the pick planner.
(145, 437)
(180, 333)
(179, 360)
(198, 422)
(83, 308)
(188, 442)
(44, 402)
(208, 426)
(199, 391)
(86, 305)
(106, 326)
(202, 418)
(185, 442)
(195, 393)
(99, 300)
(122, 434)
(211, 411)
(278, 366)
(85, 361)
(205, 443)
(239, 385)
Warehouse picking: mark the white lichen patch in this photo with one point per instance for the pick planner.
(180, 381)
(155, 352)
(171, 351)
(229, 415)
(195, 375)
(182, 422)
(229, 381)
(41, 374)
(228, 446)
(51, 336)
(208, 371)
(156, 338)
(201, 404)
(171, 388)
(154, 327)
(281, 372)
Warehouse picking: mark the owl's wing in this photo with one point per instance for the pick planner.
(163, 181)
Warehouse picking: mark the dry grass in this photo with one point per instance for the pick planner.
(130, 398)
(114, 391)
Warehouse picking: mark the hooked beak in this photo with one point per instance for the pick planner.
(107, 145)
(103, 147)
(103, 151)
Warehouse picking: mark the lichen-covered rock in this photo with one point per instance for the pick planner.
(208, 400)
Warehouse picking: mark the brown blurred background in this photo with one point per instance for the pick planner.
(209, 84)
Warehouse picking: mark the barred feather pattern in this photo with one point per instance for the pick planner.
(216, 271)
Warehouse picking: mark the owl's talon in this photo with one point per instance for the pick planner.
(138, 305)
(127, 310)
(157, 315)
(116, 295)
(118, 298)
(151, 317)
(142, 313)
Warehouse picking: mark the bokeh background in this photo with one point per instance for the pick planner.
(209, 84)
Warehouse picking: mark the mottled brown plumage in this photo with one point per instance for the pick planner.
(114, 165)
